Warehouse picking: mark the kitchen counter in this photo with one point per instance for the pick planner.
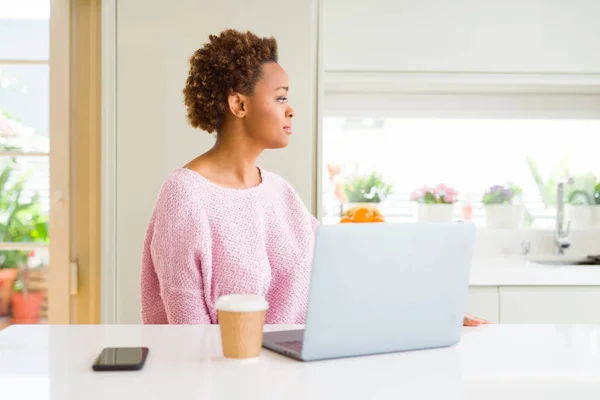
(185, 362)
(514, 271)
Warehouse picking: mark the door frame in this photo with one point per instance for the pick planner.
(59, 231)
(75, 212)
(109, 163)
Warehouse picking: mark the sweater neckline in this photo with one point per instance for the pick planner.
(263, 180)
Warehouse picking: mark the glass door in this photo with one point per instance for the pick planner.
(26, 139)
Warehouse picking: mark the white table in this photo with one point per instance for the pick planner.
(185, 362)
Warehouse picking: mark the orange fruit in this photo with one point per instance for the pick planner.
(362, 215)
(346, 220)
(377, 218)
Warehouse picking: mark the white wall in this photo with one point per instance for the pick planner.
(154, 42)
(462, 35)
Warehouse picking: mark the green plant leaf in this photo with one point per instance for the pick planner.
(5, 175)
(579, 197)
(547, 188)
(562, 168)
(539, 181)
(367, 189)
(430, 198)
(560, 171)
(24, 219)
(581, 191)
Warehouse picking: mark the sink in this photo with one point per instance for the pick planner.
(563, 260)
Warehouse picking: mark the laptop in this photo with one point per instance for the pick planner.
(382, 288)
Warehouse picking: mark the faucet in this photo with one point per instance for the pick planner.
(561, 238)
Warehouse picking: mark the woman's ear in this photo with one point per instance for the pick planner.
(237, 104)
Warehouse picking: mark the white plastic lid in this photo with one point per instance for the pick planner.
(242, 303)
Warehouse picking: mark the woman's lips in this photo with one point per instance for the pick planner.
(287, 128)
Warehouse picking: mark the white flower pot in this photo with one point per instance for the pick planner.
(582, 216)
(596, 216)
(435, 212)
(503, 216)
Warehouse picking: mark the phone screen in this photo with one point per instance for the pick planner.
(121, 358)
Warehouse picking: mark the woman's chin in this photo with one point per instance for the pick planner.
(279, 143)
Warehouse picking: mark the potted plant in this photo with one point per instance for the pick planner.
(500, 207)
(547, 185)
(21, 221)
(26, 304)
(435, 204)
(582, 208)
(8, 277)
(366, 191)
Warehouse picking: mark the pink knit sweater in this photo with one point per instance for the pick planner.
(204, 241)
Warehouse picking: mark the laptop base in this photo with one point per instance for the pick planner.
(287, 343)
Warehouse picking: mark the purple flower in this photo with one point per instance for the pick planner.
(499, 194)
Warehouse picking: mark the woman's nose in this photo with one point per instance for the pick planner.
(290, 113)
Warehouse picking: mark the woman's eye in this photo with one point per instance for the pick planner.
(282, 99)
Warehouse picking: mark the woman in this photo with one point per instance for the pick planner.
(221, 224)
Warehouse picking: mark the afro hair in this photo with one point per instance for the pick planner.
(228, 63)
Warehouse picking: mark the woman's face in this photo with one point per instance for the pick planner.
(268, 117)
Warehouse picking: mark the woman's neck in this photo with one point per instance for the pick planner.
(237, 159)
(230, 162)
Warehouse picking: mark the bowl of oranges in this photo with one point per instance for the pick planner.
(362, 214)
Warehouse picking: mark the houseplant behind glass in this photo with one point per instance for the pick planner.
(20, 221)
(366, 190)
(582, 207)
(435, 204)
(502, 211)
(26, 303)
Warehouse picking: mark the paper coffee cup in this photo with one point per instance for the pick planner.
(241, 321)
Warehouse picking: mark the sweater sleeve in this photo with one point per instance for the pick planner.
(315, 222)
(176, 247)
(294, 197)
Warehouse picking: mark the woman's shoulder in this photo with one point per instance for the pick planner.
(280, 186)
(275, 180)
(181, 181)
(288, 195)
(180, 190)
(276, 183)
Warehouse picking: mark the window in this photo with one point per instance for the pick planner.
(24, 147)
(468, 141)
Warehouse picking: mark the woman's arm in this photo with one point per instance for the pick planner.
(470, 320)
(314, 222)
(176, 246)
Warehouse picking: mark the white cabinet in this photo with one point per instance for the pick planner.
(483, 302)
(535, 304)
(550, 305)
(534, 36)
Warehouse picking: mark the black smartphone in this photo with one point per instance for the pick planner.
(121, 359)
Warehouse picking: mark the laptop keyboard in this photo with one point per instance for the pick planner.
(295, 345)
